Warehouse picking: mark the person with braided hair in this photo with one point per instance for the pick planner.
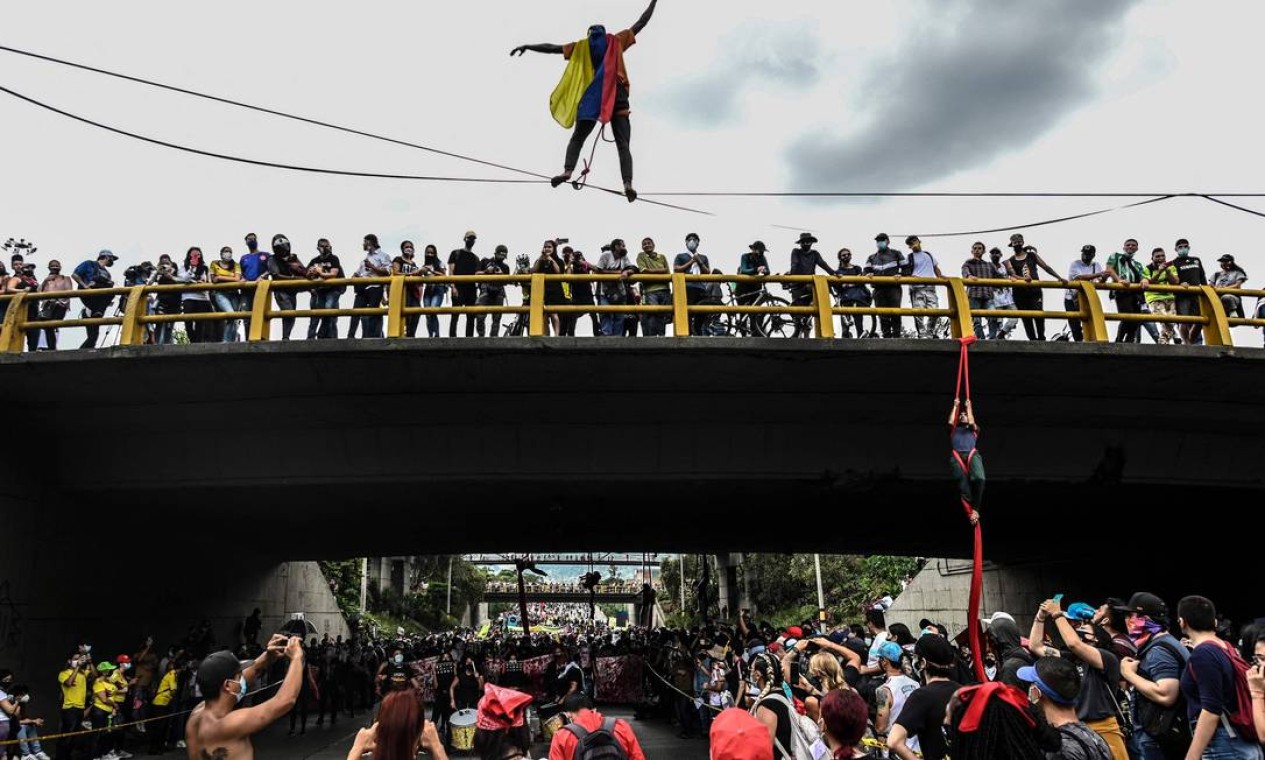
(771, 706)
(994, 720)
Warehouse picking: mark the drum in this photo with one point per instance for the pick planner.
(551, 727)
(550, 720)
(462, 725)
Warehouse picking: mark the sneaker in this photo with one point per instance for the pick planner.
(42, 756)
(123, 754)
(180, 744)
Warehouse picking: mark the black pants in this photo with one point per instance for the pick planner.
(490, 298)
(198, 332)
(463, 295)
(101, 742)
(439, 714)
(328, 703)
(412, 299)
(698, 322)
(95, 308)
(1031, 299)
(622, 130)
(71, 718)
(1128, 303)
(888, 297)
(157, 730)
(369, 297)
(1074, 304)
(55, 311)
(569, 321)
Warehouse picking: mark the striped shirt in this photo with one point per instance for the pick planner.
(982, 269)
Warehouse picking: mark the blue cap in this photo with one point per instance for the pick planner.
(1029, 675)
(1081, 611)
(891, 652)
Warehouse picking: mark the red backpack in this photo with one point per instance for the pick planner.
(1240, 719)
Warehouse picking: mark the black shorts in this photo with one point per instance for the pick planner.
(1188, 306)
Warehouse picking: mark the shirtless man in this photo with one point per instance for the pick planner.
(218, 731)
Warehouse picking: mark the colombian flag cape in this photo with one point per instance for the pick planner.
(586, 93)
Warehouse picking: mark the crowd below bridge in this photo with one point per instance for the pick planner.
(1114, 679)
(1168, 288)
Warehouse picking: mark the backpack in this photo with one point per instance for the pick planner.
(804, 732)
(1169, 726)
(597, 745)
(1241, 720)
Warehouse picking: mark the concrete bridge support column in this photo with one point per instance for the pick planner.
(480, 614)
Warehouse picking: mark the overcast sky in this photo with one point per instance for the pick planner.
(976, 95)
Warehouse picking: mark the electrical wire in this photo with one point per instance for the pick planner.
(1233, 206)
(1046, 222)
(305, 120)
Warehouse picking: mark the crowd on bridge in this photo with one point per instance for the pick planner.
(1116, 680)
(322, 274)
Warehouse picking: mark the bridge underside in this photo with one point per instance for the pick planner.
(334, 449)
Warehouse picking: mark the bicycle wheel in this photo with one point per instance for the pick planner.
(773, 325)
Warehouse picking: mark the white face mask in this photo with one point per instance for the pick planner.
(692, 245)
(25, 698)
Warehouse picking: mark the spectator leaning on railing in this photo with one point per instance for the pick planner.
(325, 266)
(1190, 271)
(1003, 299)
(1231, 276)
(922, 263)
(978, 296)
(1160, 272)
(1084, 269)
(886, 262)
(650, 261)
(284, 266)
(1122, 267)
(225, 269)
(90, 275)
(56, 308)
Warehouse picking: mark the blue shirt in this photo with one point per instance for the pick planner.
(964, 438)
(87, 271)
(254, 266)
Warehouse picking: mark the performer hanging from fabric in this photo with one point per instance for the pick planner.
(967, 464)
(594, 88)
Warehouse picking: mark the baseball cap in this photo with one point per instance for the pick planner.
(1030, 674)
(736, 735)
(758, 246)
(891, 652)
(469, 234)
(936, 650)
(121, 659)
(794, 632)
(105, 667)
(995, 617)
(1146, 603)
(1081, 611)
(218, 668)
(106, 252)
(1088, 249)
(1226, 257)
(881, 236)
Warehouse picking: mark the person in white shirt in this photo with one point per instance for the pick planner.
(923, 264)
(1084, 269)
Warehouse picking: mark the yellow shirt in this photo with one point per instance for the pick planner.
(76, 693)
(120, 685)
(166, 689)
(103, 695)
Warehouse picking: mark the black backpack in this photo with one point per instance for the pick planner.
(597, 745)
(1168, 726)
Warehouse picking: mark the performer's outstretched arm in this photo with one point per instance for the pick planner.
(645, 18)
(544, 47)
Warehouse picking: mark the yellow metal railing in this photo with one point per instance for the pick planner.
(133, 315)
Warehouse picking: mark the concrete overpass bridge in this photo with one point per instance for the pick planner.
(198, 469)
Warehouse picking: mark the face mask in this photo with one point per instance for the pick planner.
(226, 256)
(399, 659)
(325, 250)
(127, 666)
(252, 244)
(882, 245)
(1086, 259)
(692, 245)
(241, 688)
(1183, 251)
(54, 270)
(87, 648)
(25, 698)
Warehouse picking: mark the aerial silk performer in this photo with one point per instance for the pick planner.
(968, 468)
(593, 90)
